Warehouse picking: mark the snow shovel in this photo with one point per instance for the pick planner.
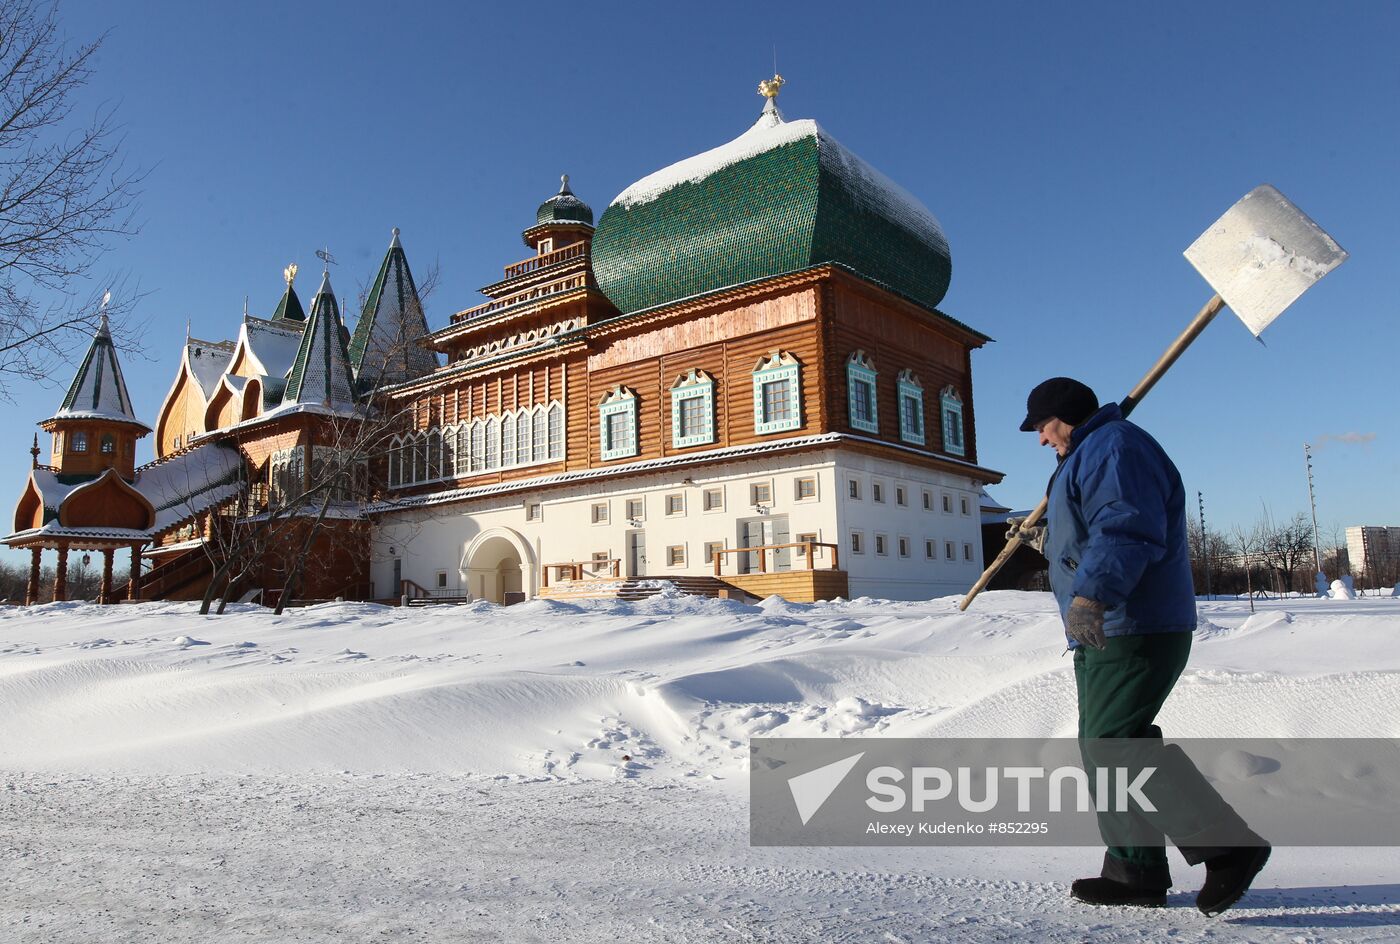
(1259, 257)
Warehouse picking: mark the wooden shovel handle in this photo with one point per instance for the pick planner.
(1164, 363)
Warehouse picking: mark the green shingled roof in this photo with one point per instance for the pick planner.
(387, 344)
(781, 198)
(564, 207)
(289, 308)
(321, 372)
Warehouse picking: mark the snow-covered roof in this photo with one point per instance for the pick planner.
(887, 198)
(98, 390)
(207, 361)
(273, 347)
(190, 482)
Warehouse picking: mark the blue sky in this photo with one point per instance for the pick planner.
(1071, 151)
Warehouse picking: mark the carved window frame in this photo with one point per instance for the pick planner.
(911, 405)
(860, 372)
(693, 385)
(619, 401)
(779, 366)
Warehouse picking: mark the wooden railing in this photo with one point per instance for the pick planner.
(762, 550)
(573, 570)
(510, 301)
(563, 254)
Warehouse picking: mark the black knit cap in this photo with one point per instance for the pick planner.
(1062, 398)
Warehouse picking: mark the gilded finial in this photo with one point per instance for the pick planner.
(34, 451)
(289, 274)
(768, 88)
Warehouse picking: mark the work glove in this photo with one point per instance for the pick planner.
(1084, 624)
(1034, 536)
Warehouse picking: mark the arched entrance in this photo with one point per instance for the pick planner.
(498, 565)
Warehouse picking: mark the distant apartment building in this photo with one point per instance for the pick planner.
(1374, 551)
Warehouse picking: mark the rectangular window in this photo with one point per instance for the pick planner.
(965, 505)
(533, 511)
(877, 492)
(853, 488)
(777, 401)
(675, 555)
(615, 431)
(948, 552)
(805, 488)
(714, 499)
(862, 402)
(442, 580)
(967, 552)
(80, 441)
(901, 496)
(882, 544)
(947, 504)
(600, 512)
(760, 493)
(636, 509)
(903, 547)
(928, 500)
(602, 562)
(694, 422)
(777, 395)
(711, 549)
(804, 538)
(675, 503)
(857, 543)
(930, 551)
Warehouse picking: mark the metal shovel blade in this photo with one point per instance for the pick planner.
(1262, 254)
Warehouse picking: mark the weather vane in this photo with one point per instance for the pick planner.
(325, 256)
(768, 88)
(290, 273)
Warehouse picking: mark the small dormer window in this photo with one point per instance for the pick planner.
(80, 441)
(109, 444)
(546, 246)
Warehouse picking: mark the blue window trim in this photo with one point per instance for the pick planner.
(859, 370)
(696, 384)
(954, 431)
(775, 368)
(910, 389)
(624, 402)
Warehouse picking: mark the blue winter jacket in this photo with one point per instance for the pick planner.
(1116, 529)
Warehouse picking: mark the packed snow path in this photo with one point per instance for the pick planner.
(355, 773)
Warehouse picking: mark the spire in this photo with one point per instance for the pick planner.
(564, 207)
(387, 344)
(321, 372)
(34, 452)
(289, 308)
(98, 390)
(769, 89)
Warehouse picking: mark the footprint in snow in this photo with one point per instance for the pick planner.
(351, 654)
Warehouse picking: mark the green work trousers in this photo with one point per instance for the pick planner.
(1121, 689)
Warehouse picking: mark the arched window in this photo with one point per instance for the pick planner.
(952, 410)
(617, 424)
(508, 440)
(556, 431)
(109, 444)
(862, 408)
(434, 454)
(693, 409)
(478, 446)
(464, 449)
(777, 394)
(449, 452)
(493, 444)
(539, 437)
(911, 408)
(396, 462)
(80, 441)
(522, 438)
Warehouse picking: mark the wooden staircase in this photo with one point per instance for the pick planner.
(176, 573)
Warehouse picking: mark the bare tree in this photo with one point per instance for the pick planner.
(64, 193)
(1285, 547)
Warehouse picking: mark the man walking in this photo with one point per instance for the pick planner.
(1115, 537)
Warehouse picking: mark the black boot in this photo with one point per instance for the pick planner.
(1228, 877)
(1105, 891)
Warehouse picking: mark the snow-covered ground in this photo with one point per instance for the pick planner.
(575, 772)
